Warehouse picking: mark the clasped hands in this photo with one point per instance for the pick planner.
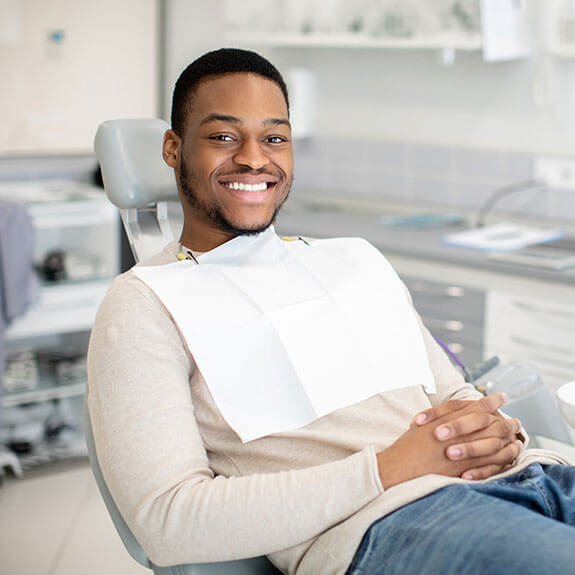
(459, 438)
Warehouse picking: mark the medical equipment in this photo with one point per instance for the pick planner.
(530, 400)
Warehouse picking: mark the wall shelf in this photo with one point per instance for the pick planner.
(46, 390)
(292, 40)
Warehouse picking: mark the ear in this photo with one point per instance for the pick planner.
(171, 148)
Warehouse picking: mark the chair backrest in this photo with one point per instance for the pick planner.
(139, 182)
(133, 547)
(254, 566)
(143, 187)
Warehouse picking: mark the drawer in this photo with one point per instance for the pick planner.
(530, 315)
(446, 298)
(457, 329)
(468, 353)
(556, 353)
(533, 330)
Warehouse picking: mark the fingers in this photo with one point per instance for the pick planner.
(489, 404)
(501, 432)
(482, 447)
(500, 462)
(480, 415)
(440, 410)
(482, 472)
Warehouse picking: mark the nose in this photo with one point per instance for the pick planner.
(251, 154)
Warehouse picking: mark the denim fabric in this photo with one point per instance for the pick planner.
(521, 524)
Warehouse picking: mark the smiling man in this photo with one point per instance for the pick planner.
(250, 395)
(232, 155)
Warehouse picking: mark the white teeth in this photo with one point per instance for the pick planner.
(246, 187)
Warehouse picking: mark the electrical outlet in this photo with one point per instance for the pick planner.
(558, 173)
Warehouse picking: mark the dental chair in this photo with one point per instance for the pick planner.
(143, 187)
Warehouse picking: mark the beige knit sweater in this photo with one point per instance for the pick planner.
(191, 491)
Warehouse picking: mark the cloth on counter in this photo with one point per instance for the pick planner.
(18, 283)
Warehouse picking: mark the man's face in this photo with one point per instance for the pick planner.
(234, 162)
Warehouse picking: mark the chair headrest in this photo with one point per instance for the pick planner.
(130, 156)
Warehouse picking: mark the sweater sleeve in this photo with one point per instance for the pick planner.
(155, 464)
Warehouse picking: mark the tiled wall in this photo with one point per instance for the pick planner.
(408, 171)
(453, 176)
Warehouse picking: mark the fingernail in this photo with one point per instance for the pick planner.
(455, 452)
(443, 432)
(468, 475)
(420, 418)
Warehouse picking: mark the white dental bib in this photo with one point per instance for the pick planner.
(286, 332)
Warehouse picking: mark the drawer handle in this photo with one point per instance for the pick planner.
(451, 325)
(449, 291)
(542, 310)
(542, 347)
(455, 348)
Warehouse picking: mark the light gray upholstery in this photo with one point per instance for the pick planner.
(135, 173)
(137, 181)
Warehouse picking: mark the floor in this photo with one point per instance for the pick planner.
(53, 522)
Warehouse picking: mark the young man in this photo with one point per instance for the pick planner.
(252, 396)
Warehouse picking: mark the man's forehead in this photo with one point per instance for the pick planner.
(236, 95)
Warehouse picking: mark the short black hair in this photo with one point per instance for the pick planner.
(219, 63)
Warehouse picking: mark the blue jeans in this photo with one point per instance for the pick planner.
(521, 524)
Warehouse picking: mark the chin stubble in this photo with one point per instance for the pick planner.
(213, 212)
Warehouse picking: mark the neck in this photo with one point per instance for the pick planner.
(203, 240)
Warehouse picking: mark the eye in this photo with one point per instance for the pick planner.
(221, 138)
(275, 140)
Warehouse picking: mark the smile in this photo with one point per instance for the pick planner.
(259, 187)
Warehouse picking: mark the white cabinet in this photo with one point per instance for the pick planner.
(76, 256)
(535, 330)
(526, 320)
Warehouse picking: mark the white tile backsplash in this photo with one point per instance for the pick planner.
(411, 171)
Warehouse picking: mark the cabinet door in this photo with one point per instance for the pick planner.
(538, 331)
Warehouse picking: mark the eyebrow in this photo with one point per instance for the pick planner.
(235, 120)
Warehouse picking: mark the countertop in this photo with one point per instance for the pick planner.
(320, 216)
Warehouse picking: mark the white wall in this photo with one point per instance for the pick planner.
(193, 27)
(409, 96)
(525, 105)
(54, 96)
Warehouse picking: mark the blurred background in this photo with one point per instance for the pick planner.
(413, 120)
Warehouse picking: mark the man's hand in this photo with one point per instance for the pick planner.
(458, 438)
(476, 432)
